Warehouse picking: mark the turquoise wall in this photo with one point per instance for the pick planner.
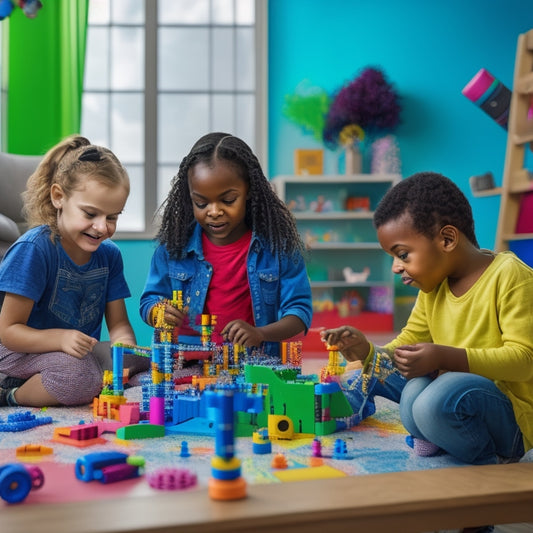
(429, 51)
(136, 255)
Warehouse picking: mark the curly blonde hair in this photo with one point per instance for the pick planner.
(68, 164)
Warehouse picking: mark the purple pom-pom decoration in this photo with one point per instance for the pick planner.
(368, 101)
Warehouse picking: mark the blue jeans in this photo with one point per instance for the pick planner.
(464, 414)
(360, 390)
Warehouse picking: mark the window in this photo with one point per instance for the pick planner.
(161, 73)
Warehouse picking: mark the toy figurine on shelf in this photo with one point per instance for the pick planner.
(297, 204)
(321, 205)
(355, 277)
(351, 304)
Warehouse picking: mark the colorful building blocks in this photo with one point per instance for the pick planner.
(141, 431)
(172, 479)
(226, 482)
(261, 443)
(291, 405)
(23, 421)
(33, 450)
(107, 467)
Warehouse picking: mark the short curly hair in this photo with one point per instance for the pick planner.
(432, 201)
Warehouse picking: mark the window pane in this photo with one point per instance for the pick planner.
(205, 82)
(127, 56)
(164, 177)
(183, 119)
(223, 59)
(183, 59)
(132, 218)
(223, 12)
(97, 59)
(245, 59)
(223, 113)
(127, 127)
(245, 107)
(183, 11)
(127, 11)
(99, 12)
(245, 12)
(95, 115)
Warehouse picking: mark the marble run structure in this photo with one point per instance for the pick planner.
(294, 405)
(226, 482)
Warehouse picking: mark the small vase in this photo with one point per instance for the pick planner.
(386, 156)
(352, 160)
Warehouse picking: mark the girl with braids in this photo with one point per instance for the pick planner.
(231, 246)
(62, 276)
(461, 367)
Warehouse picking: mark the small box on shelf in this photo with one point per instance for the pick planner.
(308, 162)
(351, 277)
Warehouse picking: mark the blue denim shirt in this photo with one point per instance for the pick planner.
(279, 285)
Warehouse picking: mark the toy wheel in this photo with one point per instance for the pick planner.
(37, 477)
(15, 483)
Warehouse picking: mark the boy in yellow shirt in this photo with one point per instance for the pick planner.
(466, 351)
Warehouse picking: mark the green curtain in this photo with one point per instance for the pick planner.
(42, 75)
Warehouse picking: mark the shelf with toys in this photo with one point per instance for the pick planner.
(351, 276)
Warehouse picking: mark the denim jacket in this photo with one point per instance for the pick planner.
(279, 285)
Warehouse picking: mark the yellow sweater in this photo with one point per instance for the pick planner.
(493, 321)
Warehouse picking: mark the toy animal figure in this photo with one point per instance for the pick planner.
(321, 205)
(355, 277)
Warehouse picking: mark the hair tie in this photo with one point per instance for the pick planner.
(91, 154)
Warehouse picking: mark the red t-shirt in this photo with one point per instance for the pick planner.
(228, 296)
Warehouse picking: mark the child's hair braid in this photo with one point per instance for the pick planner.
(266, 214)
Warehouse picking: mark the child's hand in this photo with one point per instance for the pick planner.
(352, 343)
(172, 316)
(76, 343)
(241, 333)
(417, 360)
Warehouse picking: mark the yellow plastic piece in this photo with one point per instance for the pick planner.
(225, 464)
(305, 474)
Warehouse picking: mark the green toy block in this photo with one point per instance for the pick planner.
(141, 431)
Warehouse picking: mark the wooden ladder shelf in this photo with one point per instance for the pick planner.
(517, 180)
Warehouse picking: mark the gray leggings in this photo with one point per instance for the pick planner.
(70, 380)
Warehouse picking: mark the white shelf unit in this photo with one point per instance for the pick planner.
(336, 237)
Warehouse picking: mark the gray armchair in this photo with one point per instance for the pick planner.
(14, 173)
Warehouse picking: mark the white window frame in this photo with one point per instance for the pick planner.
(151, 164)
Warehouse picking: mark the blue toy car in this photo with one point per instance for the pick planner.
(16, 481)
